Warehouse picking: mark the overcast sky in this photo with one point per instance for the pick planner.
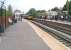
(25, 5)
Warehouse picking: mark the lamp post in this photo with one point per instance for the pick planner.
(5, 16)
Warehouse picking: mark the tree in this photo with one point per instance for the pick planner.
(2, 12)
(41, 11)
(67, 6)
(55, 9)
(64, 8)
(32, 12)
(9, 12)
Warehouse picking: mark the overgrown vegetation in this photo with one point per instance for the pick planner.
(6, 12)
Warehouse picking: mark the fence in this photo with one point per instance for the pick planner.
(3, 18)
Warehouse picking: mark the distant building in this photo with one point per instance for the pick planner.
(17, 14)
(52, 14)
(65, 12)
(42, 14)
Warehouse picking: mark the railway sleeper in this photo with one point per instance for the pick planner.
(58, 33)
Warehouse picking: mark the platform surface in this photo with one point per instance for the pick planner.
(21, 36)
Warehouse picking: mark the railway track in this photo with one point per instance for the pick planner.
(59, 32)
(60, 27)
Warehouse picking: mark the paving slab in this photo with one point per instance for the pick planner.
(21, 36)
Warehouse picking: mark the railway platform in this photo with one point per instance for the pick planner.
(62, 22)
(21, 36)
(27, 36)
